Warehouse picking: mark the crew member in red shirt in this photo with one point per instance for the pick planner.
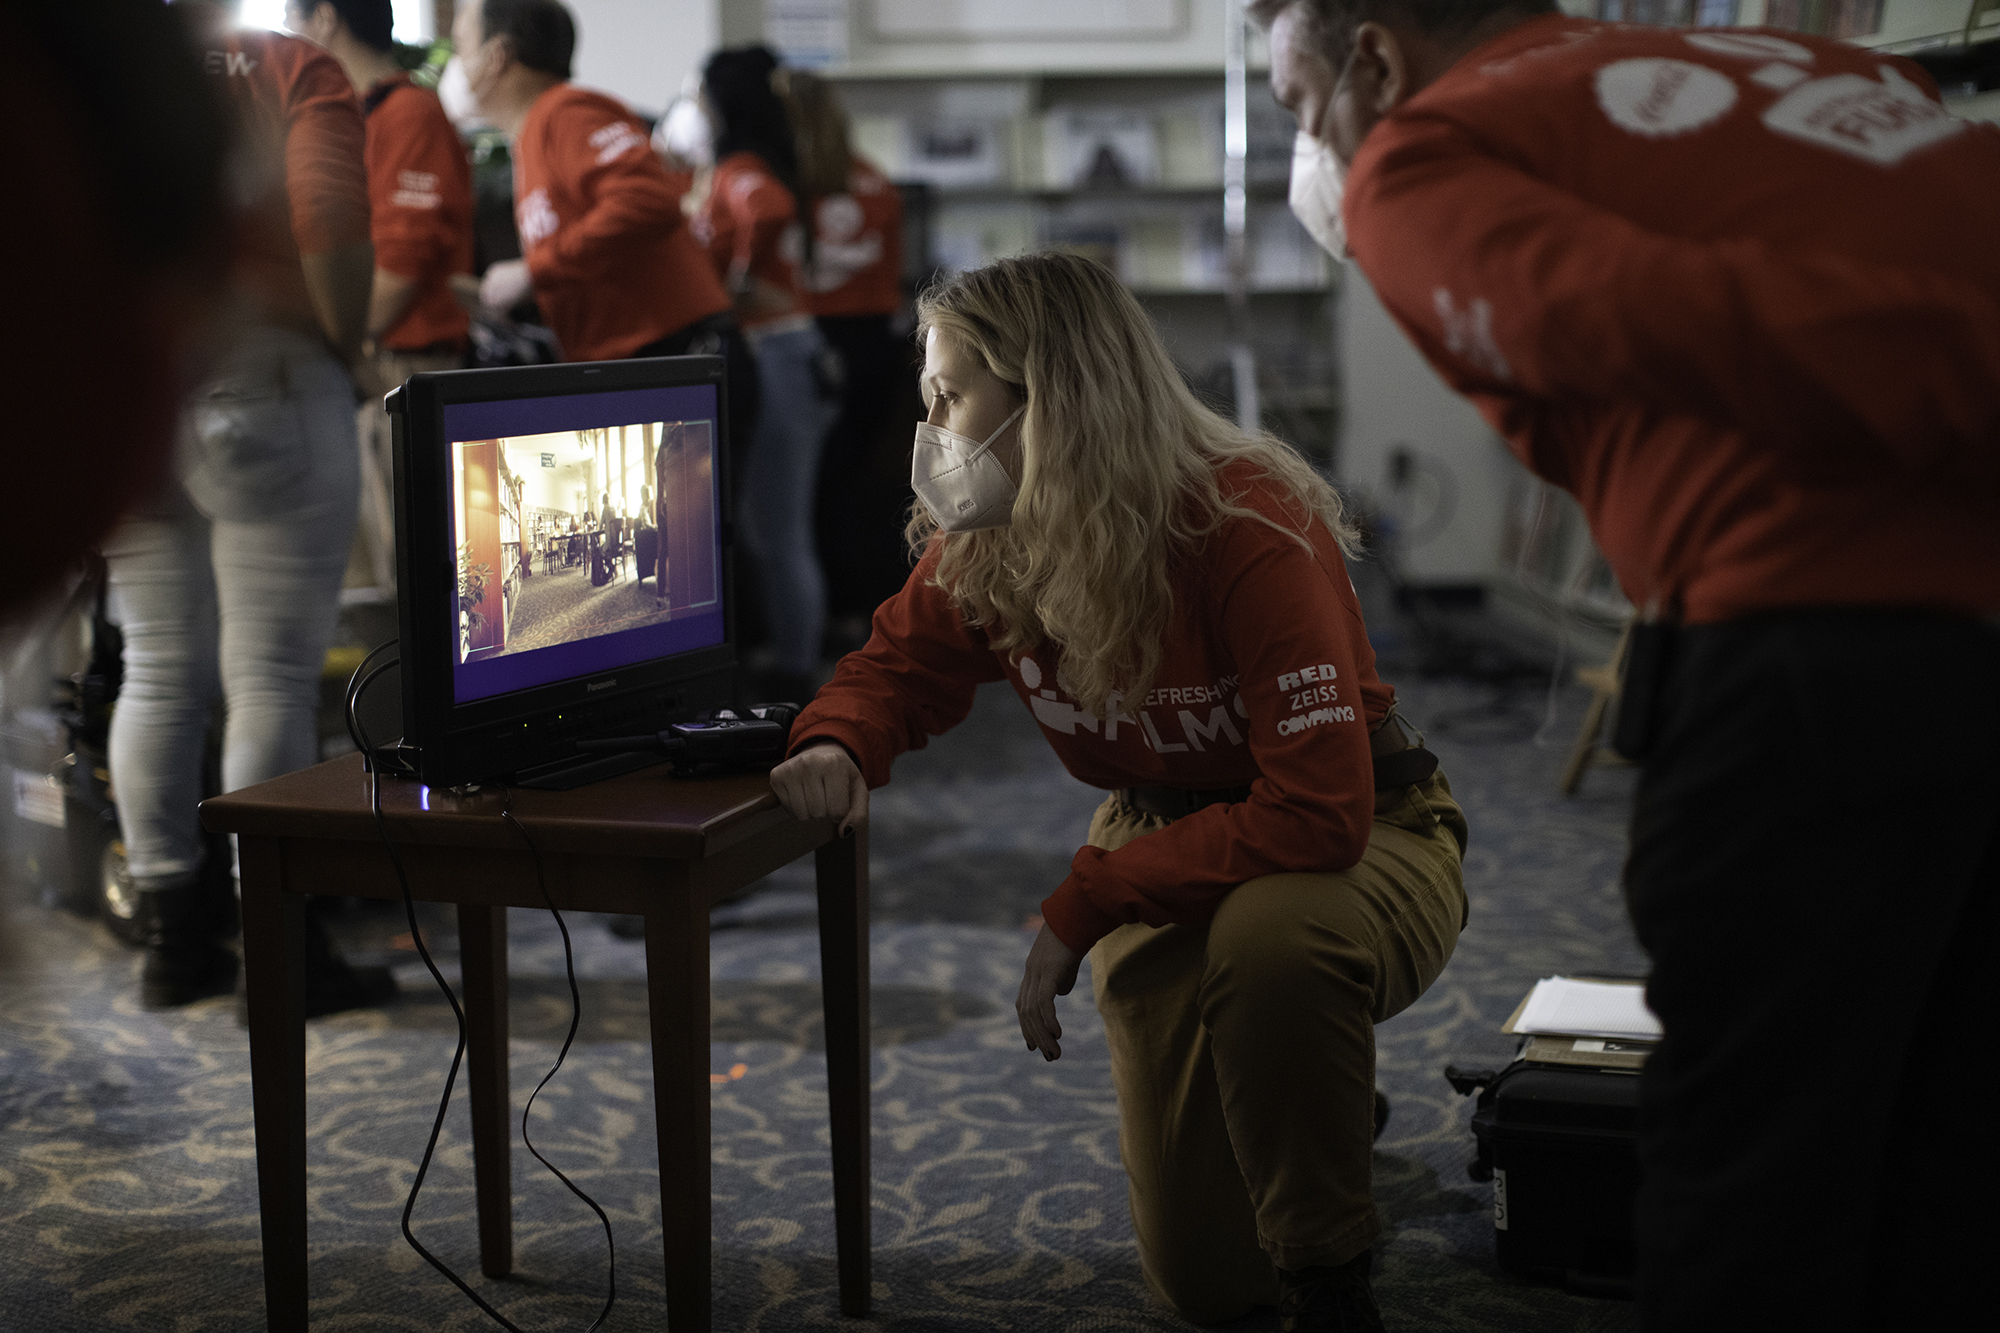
(1737, 291)
(420, 211)
(750, 222)
(1275, 869)
(227, 577)
(854, 289)
(604, 244)
(606, 248)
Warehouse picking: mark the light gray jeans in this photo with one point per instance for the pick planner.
(230, 580)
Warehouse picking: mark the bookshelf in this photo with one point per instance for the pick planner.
(1125, 165)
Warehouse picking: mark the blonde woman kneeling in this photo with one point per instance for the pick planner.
(1276, 869)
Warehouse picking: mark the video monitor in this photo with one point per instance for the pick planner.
(551, 522)
(563, 558)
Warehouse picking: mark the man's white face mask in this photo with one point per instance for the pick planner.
(1317, 178)
(959, 479)
(685, 132)
(455, 92)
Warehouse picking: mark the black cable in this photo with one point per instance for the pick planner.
(575, 1020)
(354, 730)
(355, 685)
(458, 1055)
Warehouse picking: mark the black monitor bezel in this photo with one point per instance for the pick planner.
(453, 741)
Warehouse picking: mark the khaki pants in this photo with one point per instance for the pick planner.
(1244, 1055)
(372, 562)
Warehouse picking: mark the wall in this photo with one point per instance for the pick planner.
(1452, 506)
(639, 50)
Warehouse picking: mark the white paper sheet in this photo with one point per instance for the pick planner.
(1565, 1008)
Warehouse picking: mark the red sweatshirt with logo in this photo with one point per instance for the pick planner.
(857, 266)
(1737, 290)
(749, 222)
(420, 198)
(1266, 680)
(614, 264)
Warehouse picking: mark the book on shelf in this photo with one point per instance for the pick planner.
(1099, 148)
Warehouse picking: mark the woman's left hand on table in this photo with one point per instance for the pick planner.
(1051, 971)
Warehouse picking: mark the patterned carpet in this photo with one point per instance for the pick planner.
(127, 1191)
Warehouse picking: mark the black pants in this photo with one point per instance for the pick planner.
(718, 335)
(864, 475)
(1815, 868)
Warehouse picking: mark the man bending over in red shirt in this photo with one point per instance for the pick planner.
(604, 243)
(1737, 292)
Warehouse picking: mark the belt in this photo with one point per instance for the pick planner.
(1397, 764)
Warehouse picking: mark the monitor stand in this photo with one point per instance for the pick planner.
(581, 771)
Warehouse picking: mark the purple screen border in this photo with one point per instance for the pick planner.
(607, 652)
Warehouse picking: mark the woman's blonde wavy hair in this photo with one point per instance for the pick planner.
(1120, 477)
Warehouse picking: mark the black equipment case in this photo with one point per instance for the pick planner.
(1560, 1144)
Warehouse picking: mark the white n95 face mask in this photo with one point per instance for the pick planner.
(1317, 180)
(960, 481)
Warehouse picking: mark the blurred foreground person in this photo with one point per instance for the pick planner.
(229, 576)
(109, 115)
(420, 221)
(853, 287)
(1276, 867)
(751, 224)
(1738, 292)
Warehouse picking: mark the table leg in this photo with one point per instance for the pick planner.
(274, 979)
(677, 995)
(842, 867)
(482, 942)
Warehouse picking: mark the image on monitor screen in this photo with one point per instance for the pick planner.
(581, 550)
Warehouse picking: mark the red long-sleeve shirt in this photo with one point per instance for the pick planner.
(1266, 679)
(301, 167)
(750, 224)
(613, 262)
(420, 197)
(1738, 291)
(857, 266)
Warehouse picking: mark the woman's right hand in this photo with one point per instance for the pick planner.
(822, 782)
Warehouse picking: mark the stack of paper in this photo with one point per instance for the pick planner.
(1559, 1006)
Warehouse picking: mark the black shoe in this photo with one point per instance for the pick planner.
(1330, 1299)
(183, 961)
(333, 985)
(341, 987)
(187, 971)
(335, 989)
(1381, 1114)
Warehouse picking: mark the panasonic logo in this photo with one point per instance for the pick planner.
(597, 685)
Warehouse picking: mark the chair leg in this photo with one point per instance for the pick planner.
(1586, 743)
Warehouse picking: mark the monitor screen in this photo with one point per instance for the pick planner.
(588, 534)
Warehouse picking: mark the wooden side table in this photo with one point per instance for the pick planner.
(644, 843)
